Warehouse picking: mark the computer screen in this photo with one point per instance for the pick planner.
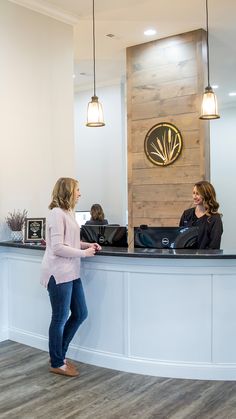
(106, 235)
(82, 216)
(166, 237)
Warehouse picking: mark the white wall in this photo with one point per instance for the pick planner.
(223, 171)
(36, 108)
(101, 154)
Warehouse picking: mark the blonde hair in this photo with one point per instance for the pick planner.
(97, 213)
(63, 194)
(208, 194)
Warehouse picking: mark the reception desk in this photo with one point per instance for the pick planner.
(165, 313)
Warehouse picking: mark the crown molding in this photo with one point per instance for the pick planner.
(43, 7)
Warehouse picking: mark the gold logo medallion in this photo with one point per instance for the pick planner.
(163, 144)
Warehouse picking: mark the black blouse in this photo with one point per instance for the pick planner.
(96, 222)
(210, 229)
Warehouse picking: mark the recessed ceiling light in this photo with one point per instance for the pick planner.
(232, 94)
(215, 86)
(74, 76)
(150, 32)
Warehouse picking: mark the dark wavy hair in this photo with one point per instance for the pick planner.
(63, 194)
(208, 194)
(97, 213)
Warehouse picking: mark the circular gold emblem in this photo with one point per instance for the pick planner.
(163, 144)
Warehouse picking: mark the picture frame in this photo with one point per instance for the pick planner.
(34, 230)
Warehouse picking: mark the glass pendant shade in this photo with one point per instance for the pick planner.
(209, 101)
(209, 105)
(95, 113)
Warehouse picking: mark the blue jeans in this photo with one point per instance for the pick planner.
(65, 297)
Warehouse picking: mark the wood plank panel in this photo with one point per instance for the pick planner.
(162, 193)
(148, 51)
(166, 73)
(165, 82)
(186, 122)
(157, 209)
(153, 176)
(150, 92)
(156, 54)
(173, 106)
(153, 222)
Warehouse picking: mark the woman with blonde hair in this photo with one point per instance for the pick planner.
(205, 216)
(61, 273)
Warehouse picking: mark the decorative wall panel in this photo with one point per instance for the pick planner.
(165, 82)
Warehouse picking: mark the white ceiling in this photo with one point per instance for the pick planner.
(127, 19)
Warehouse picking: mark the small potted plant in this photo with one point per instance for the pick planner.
(15, 221)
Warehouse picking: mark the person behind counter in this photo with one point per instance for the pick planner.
(205, 216)
(61, 273)
(97, 216)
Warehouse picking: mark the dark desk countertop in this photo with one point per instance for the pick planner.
(143, 253)
(21, 245)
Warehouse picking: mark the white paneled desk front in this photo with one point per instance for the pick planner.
(158, 313)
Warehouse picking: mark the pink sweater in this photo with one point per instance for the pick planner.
(63, 248)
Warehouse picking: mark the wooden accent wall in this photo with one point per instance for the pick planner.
(165, 82)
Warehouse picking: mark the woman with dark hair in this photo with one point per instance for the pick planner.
(205, 216)
(97, 216)
(61, 273)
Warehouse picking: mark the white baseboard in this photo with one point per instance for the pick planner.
(4, 335)
(27, 338)
(201, 371)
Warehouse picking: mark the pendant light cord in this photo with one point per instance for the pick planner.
(207, 40)
(94, 69)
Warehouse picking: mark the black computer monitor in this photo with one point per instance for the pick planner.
(106, 235)
(166, 237)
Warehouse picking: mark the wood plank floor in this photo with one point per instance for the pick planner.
(29, 391)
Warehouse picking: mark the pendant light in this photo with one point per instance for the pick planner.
(94, 112)
(209, 101)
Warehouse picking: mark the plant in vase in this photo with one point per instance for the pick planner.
(15, 221)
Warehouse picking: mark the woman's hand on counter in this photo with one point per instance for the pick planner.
(95, 246)
(92, 249)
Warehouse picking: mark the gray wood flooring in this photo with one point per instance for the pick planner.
(29, 391)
